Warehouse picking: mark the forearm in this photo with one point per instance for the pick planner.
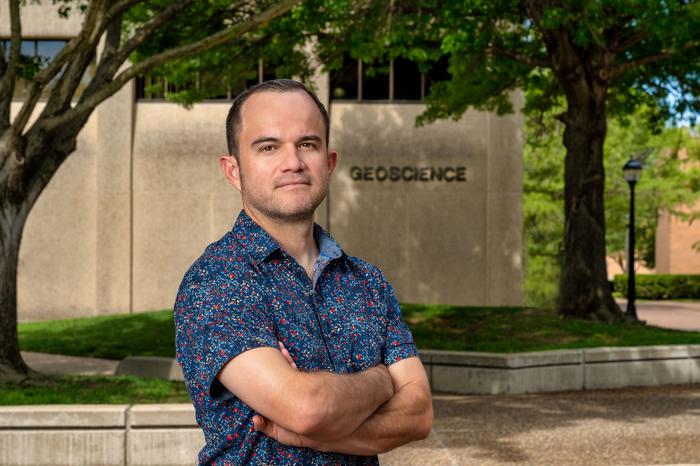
(342, 402)
(406, 417)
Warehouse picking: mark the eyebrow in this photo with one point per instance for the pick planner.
(310, 137)
(262, 139)
(306, 137)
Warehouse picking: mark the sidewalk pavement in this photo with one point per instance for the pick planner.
(633, 426)
(679, 315)
(60, 364)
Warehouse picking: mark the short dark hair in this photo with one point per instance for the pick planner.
(233, 121)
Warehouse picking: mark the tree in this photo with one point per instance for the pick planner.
(668, 182)
(30, 154)
(601, 57)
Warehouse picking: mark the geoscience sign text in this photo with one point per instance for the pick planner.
(408, 173)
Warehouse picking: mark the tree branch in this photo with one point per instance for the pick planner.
(7, 83)
(140, 36)
(648, 59)
(519, 57)
(630, 41)
(38, 82)
(88, 104)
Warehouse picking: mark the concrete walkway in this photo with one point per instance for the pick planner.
(640, 426)
(59, 364)
(668, 314)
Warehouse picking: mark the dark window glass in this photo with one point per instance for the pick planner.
(438, 72)
(375, 82)
(28, 48)
(48, 49)
(407, 80)
(38, 53)
(344, 80)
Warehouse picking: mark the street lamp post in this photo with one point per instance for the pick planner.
(632, 170)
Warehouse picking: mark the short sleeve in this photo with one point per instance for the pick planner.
(215, 322)
(399, 340)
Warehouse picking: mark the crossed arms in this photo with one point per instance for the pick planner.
(363, 413)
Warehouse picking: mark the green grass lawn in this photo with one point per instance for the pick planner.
(507, 330)
(92, 389)
(434, 327)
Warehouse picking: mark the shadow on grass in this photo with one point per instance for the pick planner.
(109, 337)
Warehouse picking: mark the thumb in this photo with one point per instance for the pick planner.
(259, 422)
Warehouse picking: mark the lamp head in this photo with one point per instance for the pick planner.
(632, 170)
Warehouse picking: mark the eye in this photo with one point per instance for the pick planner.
(307, 145)
(266, 148)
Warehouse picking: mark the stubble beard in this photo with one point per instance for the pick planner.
(272, 210)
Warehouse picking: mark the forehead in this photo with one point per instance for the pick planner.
(277, 114)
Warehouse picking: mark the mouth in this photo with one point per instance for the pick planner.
(293, 183)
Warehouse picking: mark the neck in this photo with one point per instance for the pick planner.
(295, 237)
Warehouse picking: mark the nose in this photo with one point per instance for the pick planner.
(291, 159)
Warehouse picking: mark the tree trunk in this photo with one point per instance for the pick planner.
(12, 367)
(584, 290)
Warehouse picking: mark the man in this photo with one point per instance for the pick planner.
(293, 352)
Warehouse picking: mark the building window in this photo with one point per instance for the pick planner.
(157, 88)
(397, 81)
(35, 55)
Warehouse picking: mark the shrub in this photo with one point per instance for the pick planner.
(661, 286)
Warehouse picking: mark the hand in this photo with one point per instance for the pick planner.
(282, 435)
(286, 355)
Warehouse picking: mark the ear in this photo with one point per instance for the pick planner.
(229, 165)
(332, 161)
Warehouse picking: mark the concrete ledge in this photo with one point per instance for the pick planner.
(694, 355)
(636, 353)
(151, 366)
(561, 370)
(63, 416)
(98, 435)
(162, 415)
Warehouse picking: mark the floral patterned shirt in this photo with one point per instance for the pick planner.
(246, 292)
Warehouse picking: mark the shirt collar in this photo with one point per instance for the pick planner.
(327, 246)
(253, 238)
(260, 245)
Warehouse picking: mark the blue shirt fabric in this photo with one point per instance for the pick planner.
(246, 292)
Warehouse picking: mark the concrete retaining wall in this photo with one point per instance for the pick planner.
(99, 435)
(562, 370)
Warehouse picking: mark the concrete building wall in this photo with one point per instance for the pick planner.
(182, 201)
(437, 241)
(41, 20)
(142, 196)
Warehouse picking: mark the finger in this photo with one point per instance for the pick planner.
(261, 424)
(286, 354)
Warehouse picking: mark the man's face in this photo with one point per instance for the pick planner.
(283, 166)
